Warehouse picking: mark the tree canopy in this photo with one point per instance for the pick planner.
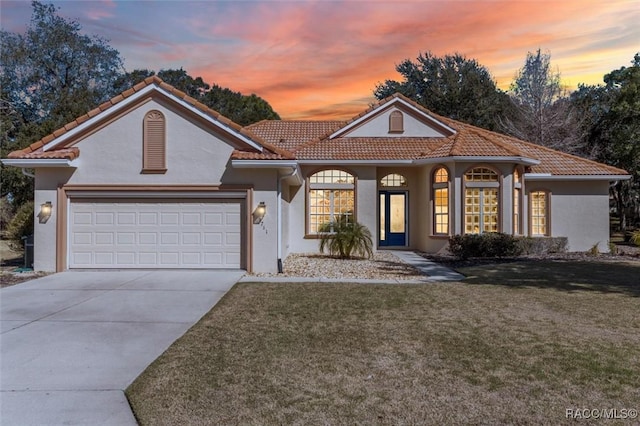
(610, 127)
(53, 73)
(453, 86)
(50, 75)
(242, 109)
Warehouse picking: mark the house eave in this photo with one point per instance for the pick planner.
(549, 177)
(281, 165)
(31, 163)
(478, 159)
(358, 162)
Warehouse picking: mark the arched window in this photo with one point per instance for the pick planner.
(517, 190)
(154, 159)
(440, 186)
(481, 201)
(396, 122)
(331, 198)
(393, 180)
(539, 213)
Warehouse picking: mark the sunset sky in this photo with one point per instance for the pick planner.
(322, 59)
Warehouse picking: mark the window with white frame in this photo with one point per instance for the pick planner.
(539, 213)
(517, 190)
(481, 201)
(440, 186)
(331, 198)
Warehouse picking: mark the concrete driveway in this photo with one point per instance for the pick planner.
(70, 343)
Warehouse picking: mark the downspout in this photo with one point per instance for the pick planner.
(26, 173)
(279, 215)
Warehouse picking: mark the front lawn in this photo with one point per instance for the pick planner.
(517, 343)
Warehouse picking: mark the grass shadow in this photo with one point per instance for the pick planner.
(564, 275)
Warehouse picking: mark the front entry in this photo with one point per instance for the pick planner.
(393, 215)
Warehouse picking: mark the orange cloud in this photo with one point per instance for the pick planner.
(323, 59)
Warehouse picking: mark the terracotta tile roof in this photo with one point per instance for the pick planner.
(35, 149)
(310, 140)
(362, 148)
(468, 141)
(560, 163)
(63, 154)
(291, 134)
(252, 155)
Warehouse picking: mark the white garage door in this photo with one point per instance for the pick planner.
(139, 234)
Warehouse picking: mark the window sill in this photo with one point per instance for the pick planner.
(440, 236)
(153, 171)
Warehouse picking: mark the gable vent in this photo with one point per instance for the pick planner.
(154, 158)
(396, 124)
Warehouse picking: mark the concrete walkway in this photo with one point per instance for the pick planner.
(433, 272)
(70, 343)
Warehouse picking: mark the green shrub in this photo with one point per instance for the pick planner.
(20, 225)
(594, 251)
(613, 248)
(345, 239)
(484, 245)
(543, 245)
(635, 237)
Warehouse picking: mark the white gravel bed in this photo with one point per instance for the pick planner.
(382, 266)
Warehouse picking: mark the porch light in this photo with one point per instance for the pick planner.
(45, 212)
(259, 212)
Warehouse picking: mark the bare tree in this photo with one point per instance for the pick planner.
(542, 112)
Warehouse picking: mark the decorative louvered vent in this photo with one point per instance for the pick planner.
(396, 124)
(154, 158)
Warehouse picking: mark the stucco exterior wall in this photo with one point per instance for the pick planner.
(579, 211)
(45, 238)
(379, 127)
(427, 241)
(366, 206)
(113, 154)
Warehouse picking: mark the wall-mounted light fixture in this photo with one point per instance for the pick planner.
(259, 212)
(45, 212)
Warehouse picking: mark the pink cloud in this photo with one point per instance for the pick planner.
(324, 58)
(100, 10)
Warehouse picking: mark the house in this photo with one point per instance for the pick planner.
(155, 179)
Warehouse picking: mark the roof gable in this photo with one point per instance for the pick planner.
(151, 88)
(375, 122)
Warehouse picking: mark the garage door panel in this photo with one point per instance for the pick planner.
(126, 234)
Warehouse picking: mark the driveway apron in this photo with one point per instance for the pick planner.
(70, 343)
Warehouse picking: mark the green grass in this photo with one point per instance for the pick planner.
(517, 343)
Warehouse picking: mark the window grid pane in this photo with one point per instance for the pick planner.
(490, 204)
(393, 180)
(329, 204)
(516, 211)
(332, 176)
(481, 210)
(539, 213)
(441, 175)
(441, 210)
(481, 174)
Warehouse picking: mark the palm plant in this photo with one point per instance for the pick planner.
(345, 239)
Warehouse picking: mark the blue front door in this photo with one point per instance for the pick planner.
(393, 218)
